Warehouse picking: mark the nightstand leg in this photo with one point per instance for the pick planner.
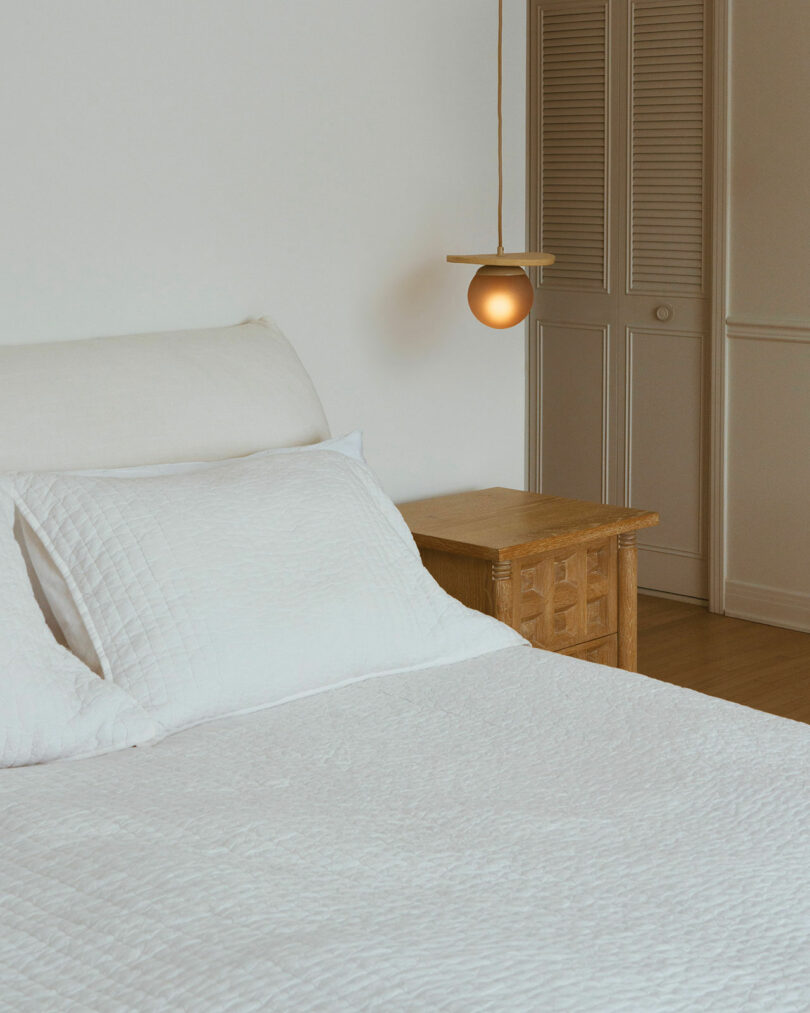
(628, 596)
(502, 591)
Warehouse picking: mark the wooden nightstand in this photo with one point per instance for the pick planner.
(560, 571)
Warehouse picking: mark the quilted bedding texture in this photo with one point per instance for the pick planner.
(519, 832)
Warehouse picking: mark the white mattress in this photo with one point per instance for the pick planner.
(520, 832)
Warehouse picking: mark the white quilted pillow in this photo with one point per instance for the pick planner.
(51, 587)
(51, 705)
(247, 582)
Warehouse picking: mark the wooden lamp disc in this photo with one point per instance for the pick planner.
(535, 259)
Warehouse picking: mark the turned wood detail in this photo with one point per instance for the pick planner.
(628, 591)
(503, 595)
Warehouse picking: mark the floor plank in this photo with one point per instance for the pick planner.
(760, 666)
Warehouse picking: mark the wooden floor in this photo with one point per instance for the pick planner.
(760, 666)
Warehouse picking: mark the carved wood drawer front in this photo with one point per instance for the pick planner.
(568, 596)
(602, 652)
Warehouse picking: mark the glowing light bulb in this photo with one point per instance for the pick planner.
(500, 296)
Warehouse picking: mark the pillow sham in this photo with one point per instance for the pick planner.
(51, 705)
(51, 589)
(248, 582)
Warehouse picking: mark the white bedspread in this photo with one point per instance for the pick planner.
(520, 832)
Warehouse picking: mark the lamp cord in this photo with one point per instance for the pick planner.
(500, 126)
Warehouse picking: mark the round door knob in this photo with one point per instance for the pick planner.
(663, 312)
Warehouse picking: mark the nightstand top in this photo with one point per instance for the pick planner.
(502, 523)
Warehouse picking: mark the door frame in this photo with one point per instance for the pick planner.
(718, 212)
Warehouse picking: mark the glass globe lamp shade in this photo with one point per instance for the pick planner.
(500, 296)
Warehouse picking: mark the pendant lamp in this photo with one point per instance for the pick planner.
(501, 294)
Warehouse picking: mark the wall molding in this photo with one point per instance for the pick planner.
(627, 490)
(751, 329)
(720, 141)
(770, 605)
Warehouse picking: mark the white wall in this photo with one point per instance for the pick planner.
(180, 163)
(769, 314)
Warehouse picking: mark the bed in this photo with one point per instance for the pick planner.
(516, 830)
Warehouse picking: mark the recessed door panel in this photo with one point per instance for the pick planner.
(574, 363)
(664, 453)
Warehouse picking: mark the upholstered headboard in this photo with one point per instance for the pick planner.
(154, 398)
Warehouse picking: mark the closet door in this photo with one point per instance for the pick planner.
(618, 191)
(572, 206)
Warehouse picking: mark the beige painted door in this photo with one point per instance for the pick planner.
(619, 339)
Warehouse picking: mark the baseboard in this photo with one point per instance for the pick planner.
(769, 605)
(671, 596)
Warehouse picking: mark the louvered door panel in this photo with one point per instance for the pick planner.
(667, 173)
(574, 144)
